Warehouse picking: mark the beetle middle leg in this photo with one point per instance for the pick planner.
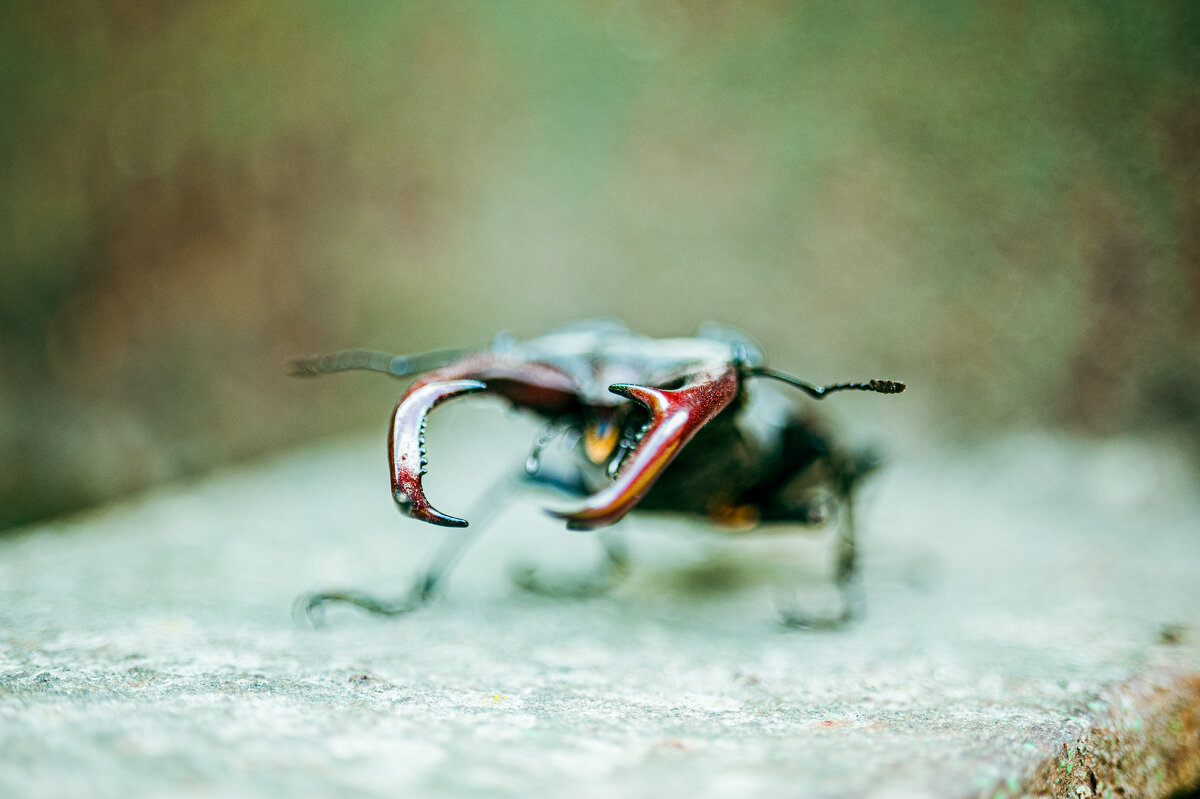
(611, 572)
(614, 566)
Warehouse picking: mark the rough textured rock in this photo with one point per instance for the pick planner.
(1032, 628)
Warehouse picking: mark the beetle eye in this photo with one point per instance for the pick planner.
(600, 439)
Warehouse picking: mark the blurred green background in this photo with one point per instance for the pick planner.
(997, 202)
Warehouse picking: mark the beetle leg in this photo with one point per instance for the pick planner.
(498, 496)
(675, 416)
(851, 598)
(555, 428)
(311, 607)
(425, 588)
(851, 602)
(611, 571)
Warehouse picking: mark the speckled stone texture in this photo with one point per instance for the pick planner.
(1031, 628)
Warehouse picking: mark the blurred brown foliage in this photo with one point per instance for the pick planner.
(999, 203)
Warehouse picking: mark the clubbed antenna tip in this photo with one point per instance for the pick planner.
(819, 392)
(886, 386)
(305, 367)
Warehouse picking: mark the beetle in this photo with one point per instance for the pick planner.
(654, 424)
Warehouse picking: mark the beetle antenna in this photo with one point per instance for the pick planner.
(819, 392)
(374, 361)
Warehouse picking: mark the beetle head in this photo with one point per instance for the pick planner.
(600, 374)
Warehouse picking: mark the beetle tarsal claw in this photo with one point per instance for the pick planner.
(406, 448)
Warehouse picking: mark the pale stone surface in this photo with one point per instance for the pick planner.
(1018, 598)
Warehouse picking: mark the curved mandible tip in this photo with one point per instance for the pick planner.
(675, 416)
(539, 387)
(406, 448)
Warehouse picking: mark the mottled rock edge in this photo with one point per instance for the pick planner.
(1143, 741)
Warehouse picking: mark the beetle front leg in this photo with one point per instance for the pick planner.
(425, 588)
(311, 607)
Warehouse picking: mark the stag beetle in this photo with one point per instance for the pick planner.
(656, 424)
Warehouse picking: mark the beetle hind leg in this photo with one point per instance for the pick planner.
(848, 610)
(851, 601)
(607, 575)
